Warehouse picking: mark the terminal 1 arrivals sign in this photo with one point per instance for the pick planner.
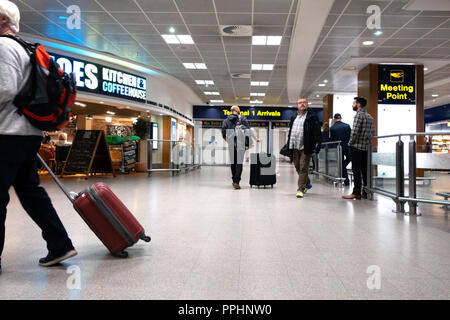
(251, 113)
(396, 84)
(99, 79)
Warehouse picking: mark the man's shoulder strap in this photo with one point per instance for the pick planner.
(29, 47)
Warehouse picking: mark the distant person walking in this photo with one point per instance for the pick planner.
(363, 131)
(341, 131)
(237, 133)
(304, 139)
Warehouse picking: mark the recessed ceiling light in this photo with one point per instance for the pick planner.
(177, 39)
(194, 65)
(256, 101)
(108, 119)
(80, 104)
(321, 84)
(274, 40)
(101, 102)
(368, 43)
(110, 112)
(257, 94)
(317, 96)
(435, 95)
(378, 33)
(259, 83)
(262, 66)
(425, 69)
(209, 93)
(266, 40)
(325, 81)
(216, 101)
(171, 29)
(205, 82)
(309, 103)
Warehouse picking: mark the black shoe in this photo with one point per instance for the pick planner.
(52, 259)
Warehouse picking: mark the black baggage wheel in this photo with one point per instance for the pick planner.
(145, 238)
(121, 254)
(272, 186)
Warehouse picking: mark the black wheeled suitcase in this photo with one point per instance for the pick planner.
(262, 170)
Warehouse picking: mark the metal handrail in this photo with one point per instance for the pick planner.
(399, 198)
(326, 174)
(175, 169)
(331, 142)
(435, 133)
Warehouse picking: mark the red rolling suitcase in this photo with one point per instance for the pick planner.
(106, 215)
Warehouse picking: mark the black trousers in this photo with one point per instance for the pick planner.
(346, 159)
(18, 168)
(237, 160)
(359, 167)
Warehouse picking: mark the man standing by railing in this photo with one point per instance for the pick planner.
(340, 131)
(362, 132)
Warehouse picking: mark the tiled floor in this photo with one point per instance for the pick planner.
(212, 242)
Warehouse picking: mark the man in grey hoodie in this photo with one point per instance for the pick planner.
(19, 144)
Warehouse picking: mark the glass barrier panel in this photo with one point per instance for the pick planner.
(333, 165)
(383, 164)
(433, 167)
(321, 159)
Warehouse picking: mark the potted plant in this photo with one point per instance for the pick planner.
(142, 130)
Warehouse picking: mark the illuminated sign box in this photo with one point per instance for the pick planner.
(251, 113)
(95, 78)
(396, 84)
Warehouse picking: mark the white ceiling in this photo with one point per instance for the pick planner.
(132, 29)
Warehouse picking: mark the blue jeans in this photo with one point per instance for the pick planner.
(18, 168)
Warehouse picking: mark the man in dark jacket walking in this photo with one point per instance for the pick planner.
(304, 139)
(237, 132)
(340, 131)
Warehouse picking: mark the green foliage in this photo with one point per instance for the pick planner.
(142, 128)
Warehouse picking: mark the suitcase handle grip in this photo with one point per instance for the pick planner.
(70, 195)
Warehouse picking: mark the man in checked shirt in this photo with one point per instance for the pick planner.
(362, 132)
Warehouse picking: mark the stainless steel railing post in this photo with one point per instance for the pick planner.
(400, 176)
(412, 177)
(339, 164)
(369, 173)
(326, 159)
(149, 157)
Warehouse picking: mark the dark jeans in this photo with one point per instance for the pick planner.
(18, 168)
(237, 160)
(346, 159)
(359, 167)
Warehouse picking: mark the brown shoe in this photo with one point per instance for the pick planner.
(236, 186)
(352, 196)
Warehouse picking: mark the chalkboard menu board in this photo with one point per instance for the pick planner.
(88, 154)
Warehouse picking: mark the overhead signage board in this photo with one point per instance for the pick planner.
(99, 79)
(396, 84)
(251, 113)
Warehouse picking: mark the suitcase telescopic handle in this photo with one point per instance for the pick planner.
(70, 195)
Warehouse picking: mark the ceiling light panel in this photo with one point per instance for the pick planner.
(189, 65)
(266, 40)
(259, 83)
(177, 39)
(264, 67)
